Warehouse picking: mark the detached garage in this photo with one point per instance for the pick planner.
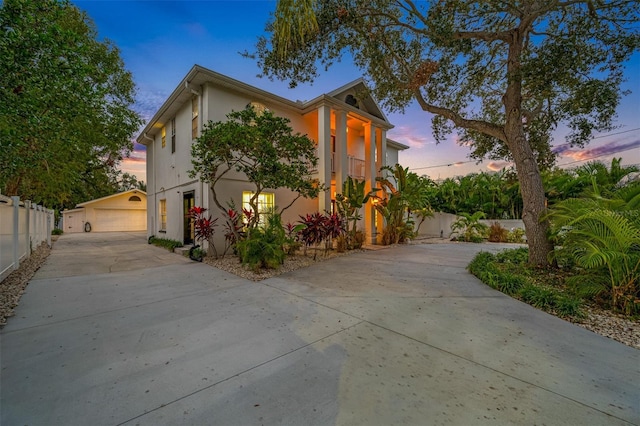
(126, 211)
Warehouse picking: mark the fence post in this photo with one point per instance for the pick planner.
(16, 228)
(27, 234)
(50, 219)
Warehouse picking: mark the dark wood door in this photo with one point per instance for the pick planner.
(188, 201)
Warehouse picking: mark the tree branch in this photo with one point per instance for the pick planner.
(477, 125)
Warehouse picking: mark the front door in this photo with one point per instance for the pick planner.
(188, 201)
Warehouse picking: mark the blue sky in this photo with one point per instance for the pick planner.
(161, 40)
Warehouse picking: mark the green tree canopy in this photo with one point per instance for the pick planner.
(65, 98)
(263, 147)
(503, 74)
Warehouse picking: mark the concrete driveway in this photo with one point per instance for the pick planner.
(112, 331)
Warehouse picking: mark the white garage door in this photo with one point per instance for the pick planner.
(108, 220)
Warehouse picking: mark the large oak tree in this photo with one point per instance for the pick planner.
(502, 74)
(65, 98)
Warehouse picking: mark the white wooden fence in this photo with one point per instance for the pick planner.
(23, 227)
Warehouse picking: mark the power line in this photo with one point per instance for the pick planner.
(458, 163)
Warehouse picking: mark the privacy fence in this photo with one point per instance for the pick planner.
(23, 227)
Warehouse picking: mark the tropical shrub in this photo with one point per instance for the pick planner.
(57, 231)
(349, 204)
(516, 235)
(602, 236)
(292, 238)
(468, 227)
(318, 228)
(263, 246)
(394, 204)
(204, 227)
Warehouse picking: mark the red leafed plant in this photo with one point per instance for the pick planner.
(204, 227)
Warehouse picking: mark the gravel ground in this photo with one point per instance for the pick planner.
(13, 286)
(596, 319)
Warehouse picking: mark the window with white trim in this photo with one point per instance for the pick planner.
(194, 117)
(266, 203)
(173, 135)
(163, 215)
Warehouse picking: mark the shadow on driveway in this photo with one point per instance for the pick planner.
(114, 331)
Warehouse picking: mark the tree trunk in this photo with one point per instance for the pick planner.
(533, 200)
(526, 166)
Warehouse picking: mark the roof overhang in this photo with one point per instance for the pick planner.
(199, 76)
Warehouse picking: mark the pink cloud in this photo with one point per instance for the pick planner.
(495, 166)
(585, 154)
(409, 136)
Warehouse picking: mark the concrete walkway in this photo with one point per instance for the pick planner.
(113, 331)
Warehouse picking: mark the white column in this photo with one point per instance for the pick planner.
(324, 157)
(370, 180)
(381, 149)
(381, 160)
(341, 163)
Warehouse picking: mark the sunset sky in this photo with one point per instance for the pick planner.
(161, 40)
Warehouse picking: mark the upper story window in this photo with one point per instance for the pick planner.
(173, 135)
(259, 108)
(194, 117)
(135, 198)
(164, 137)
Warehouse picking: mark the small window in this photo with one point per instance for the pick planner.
(163, 215)
(134, 198)
(164, 137)
(194, 117)
(173, 135)
(266, 203)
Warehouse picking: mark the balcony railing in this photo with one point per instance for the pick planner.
(355, 166)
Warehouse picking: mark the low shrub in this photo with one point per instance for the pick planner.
(263, 247)
(568, 306)
(166, 243)
(516, 235)
(509, 273)
(538, 296)
(519, 256)
(57, 231)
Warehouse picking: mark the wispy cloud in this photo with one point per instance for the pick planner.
(410, 136)
(585, 154)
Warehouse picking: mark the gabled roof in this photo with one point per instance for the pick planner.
(131, 191)
(358, 92)
(199, 76)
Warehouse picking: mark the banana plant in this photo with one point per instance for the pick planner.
(394, 204)
(350, 202)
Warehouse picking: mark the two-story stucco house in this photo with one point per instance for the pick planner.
(349, 128)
